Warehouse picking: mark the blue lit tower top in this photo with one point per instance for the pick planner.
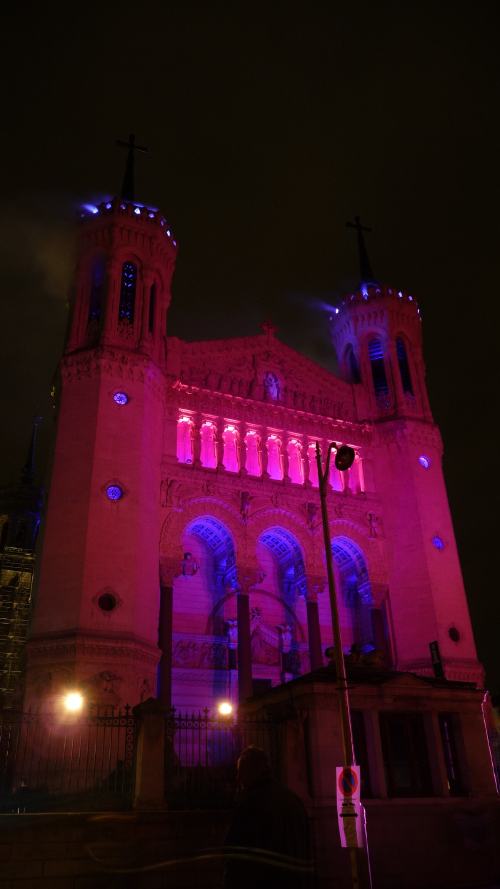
(377, 335)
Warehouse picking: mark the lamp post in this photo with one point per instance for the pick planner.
(344, 458)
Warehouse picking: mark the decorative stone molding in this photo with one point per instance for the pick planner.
(79, 647)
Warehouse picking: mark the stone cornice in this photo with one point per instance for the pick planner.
(197, 399)
(414, 431)
(116, 364)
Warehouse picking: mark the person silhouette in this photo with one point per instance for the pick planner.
(268, 841)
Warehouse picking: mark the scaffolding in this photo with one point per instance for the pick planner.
(16, 584)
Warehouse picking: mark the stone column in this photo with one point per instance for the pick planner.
(305, 461)
(242, 448)
(314, 586)
(263, 451)
(112, 279)
(196, 433)
(392, 371)
(169, 569)
(284, 457)
(247, 578)
(220, 444)
(146, 284)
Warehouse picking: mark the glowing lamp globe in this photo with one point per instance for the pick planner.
(344, 458)
(73, 702)
(225, 708)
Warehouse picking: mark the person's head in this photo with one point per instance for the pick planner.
(253, 767)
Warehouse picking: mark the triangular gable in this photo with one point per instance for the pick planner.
(246, 366)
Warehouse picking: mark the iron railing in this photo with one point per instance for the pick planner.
(50, 762)
(201, 753)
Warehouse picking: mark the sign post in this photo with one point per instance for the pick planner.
(349, 809)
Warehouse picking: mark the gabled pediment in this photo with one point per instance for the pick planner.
(262, 368)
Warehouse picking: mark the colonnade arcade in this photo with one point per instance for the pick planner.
(251, 609)
(215, 443)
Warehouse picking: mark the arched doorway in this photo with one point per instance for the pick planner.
(355, 596)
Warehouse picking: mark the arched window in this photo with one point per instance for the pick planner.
(313, 466)
(274, 463)
(352, 365)
(376, 355)
(295, 467)
(152, 308)
(208, 454)
(230, 458)
(404, 367)
(253, 465)
(184, 440)
(127, 292)
(96, 290)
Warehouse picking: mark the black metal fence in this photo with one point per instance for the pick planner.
(201, 753)
(51, 762)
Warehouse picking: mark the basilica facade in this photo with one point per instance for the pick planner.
(183, 551)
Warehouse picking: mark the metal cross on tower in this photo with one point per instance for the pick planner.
(127, 192)
(367, 276)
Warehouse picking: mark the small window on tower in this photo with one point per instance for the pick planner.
(404, 367)
(127, 292)
(376, 355)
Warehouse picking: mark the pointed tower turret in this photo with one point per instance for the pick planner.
(99, 566)
(377, 334)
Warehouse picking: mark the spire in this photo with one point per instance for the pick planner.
(365, 269)
(128, 184)
(28, 471)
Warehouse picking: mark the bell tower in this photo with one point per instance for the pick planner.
(95, 623)
(377, 335)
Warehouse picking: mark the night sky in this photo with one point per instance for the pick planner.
(269, 126)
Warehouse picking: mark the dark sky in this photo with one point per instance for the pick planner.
(269, 126)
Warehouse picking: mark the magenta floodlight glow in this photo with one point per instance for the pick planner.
(120, 398)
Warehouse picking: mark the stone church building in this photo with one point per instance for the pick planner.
(183, 550)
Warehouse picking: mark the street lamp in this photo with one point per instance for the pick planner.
(73, 702)
(225, 708)
(344, 458)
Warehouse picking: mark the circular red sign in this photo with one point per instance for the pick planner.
(348, 781)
